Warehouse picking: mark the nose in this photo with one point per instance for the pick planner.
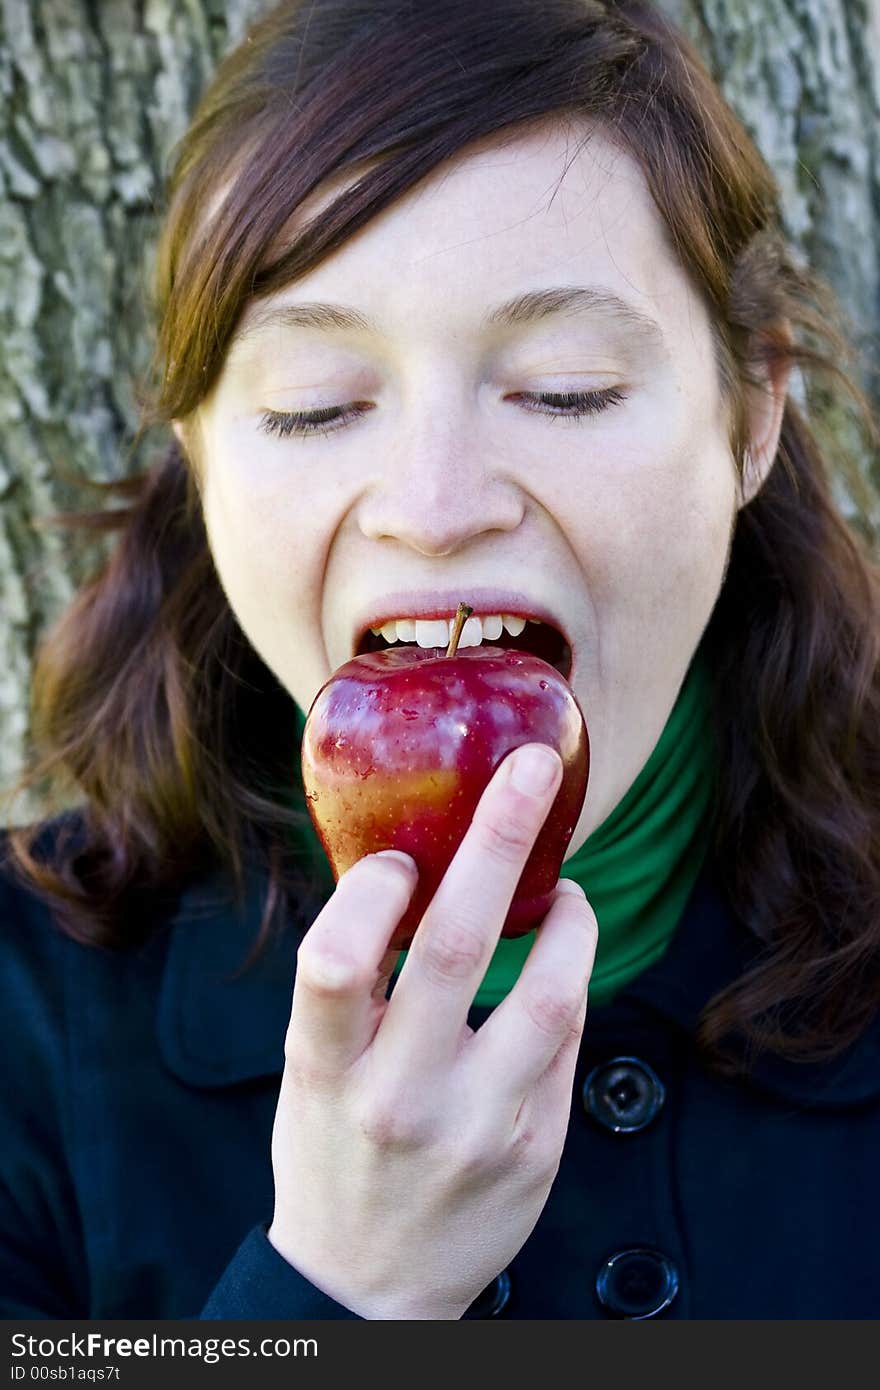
(439, 489)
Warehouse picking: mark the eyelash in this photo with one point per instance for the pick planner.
(574, 404)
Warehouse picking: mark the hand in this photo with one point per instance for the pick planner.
(413, 1155)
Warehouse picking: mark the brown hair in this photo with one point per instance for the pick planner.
(146, 692)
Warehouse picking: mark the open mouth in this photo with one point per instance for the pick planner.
(541, 639)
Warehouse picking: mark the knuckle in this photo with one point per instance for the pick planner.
(390, 1123)
(505, 837)
(555, 1009)
(450, 951)
(525, 1139)
(538, 1147)
(328, 975)
(475, 1159)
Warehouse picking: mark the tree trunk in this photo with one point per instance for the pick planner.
(93, 96)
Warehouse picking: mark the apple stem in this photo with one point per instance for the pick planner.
(461, 618)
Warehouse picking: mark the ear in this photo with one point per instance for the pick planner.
(765, 405)
(177, 426)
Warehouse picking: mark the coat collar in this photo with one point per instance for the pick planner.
(215, 1030)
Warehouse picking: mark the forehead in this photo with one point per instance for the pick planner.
(554, 204)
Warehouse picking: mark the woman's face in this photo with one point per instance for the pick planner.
(454, 475)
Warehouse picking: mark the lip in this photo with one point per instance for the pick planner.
(443, 603)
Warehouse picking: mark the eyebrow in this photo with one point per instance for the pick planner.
(530, 307)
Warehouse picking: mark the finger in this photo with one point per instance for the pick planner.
(545, 1010)
(453, 945)
(543, 1117)
(343, 965)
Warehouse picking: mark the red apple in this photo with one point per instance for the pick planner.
(399, 745)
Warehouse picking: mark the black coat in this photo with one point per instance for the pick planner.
(140, 1090)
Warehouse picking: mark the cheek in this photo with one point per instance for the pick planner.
(656, 528)
(256, 541)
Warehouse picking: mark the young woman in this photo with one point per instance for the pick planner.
(484, 302)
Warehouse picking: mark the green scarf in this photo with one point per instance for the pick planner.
(638, 867)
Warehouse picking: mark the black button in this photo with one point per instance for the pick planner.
(623, 1095)
(637, 1283)
(490, 1302)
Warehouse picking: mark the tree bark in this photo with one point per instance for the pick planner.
(94, 95)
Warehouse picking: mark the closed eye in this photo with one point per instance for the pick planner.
(564, 405)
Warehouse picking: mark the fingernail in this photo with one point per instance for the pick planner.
(405, 859)
(534, 770)
(568, 885)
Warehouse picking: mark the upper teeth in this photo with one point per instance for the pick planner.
(435, 632)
